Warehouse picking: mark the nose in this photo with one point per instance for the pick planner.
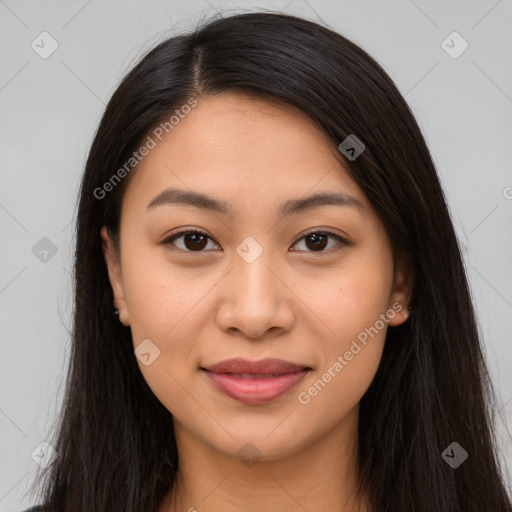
(255, 300)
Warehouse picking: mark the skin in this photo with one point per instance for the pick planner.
(301, 305)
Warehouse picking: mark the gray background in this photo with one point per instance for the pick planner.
(50, 109)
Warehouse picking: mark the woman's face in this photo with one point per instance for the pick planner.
(267, 279)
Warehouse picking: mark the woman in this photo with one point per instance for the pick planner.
(293, 328)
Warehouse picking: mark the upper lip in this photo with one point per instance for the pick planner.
(264, 366)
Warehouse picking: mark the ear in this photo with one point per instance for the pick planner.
(114, 275)
(400, 297)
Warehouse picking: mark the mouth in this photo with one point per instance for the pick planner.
(255, 382)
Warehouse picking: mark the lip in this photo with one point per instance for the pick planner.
(255, 382)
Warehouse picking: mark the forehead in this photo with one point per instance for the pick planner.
(235, 146)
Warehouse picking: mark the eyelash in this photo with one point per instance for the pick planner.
(342, 241)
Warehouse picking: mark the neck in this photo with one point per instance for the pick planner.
(320, 476)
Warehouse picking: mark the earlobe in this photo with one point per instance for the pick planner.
(398, 314)
(399, 306)
(114, 275)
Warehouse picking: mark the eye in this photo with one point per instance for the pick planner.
(318, 240)
(195, 240)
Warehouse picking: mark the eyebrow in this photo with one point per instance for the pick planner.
(173, 196)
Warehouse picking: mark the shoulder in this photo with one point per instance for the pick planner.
(38, 508)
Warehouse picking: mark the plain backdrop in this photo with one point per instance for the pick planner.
(50, 108)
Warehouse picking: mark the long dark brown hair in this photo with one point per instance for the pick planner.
(115, 440)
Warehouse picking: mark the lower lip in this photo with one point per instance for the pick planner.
(255, 391)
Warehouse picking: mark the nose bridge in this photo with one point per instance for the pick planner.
(253, 298)
(254, 281)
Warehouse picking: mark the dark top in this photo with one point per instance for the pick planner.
(37, 508)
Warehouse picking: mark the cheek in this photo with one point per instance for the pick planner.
(164, 308)
(339, 386)
(352, 305)
(167, 310)
(353, 297)
(159, 295)
(172, 319)
(349, 363)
